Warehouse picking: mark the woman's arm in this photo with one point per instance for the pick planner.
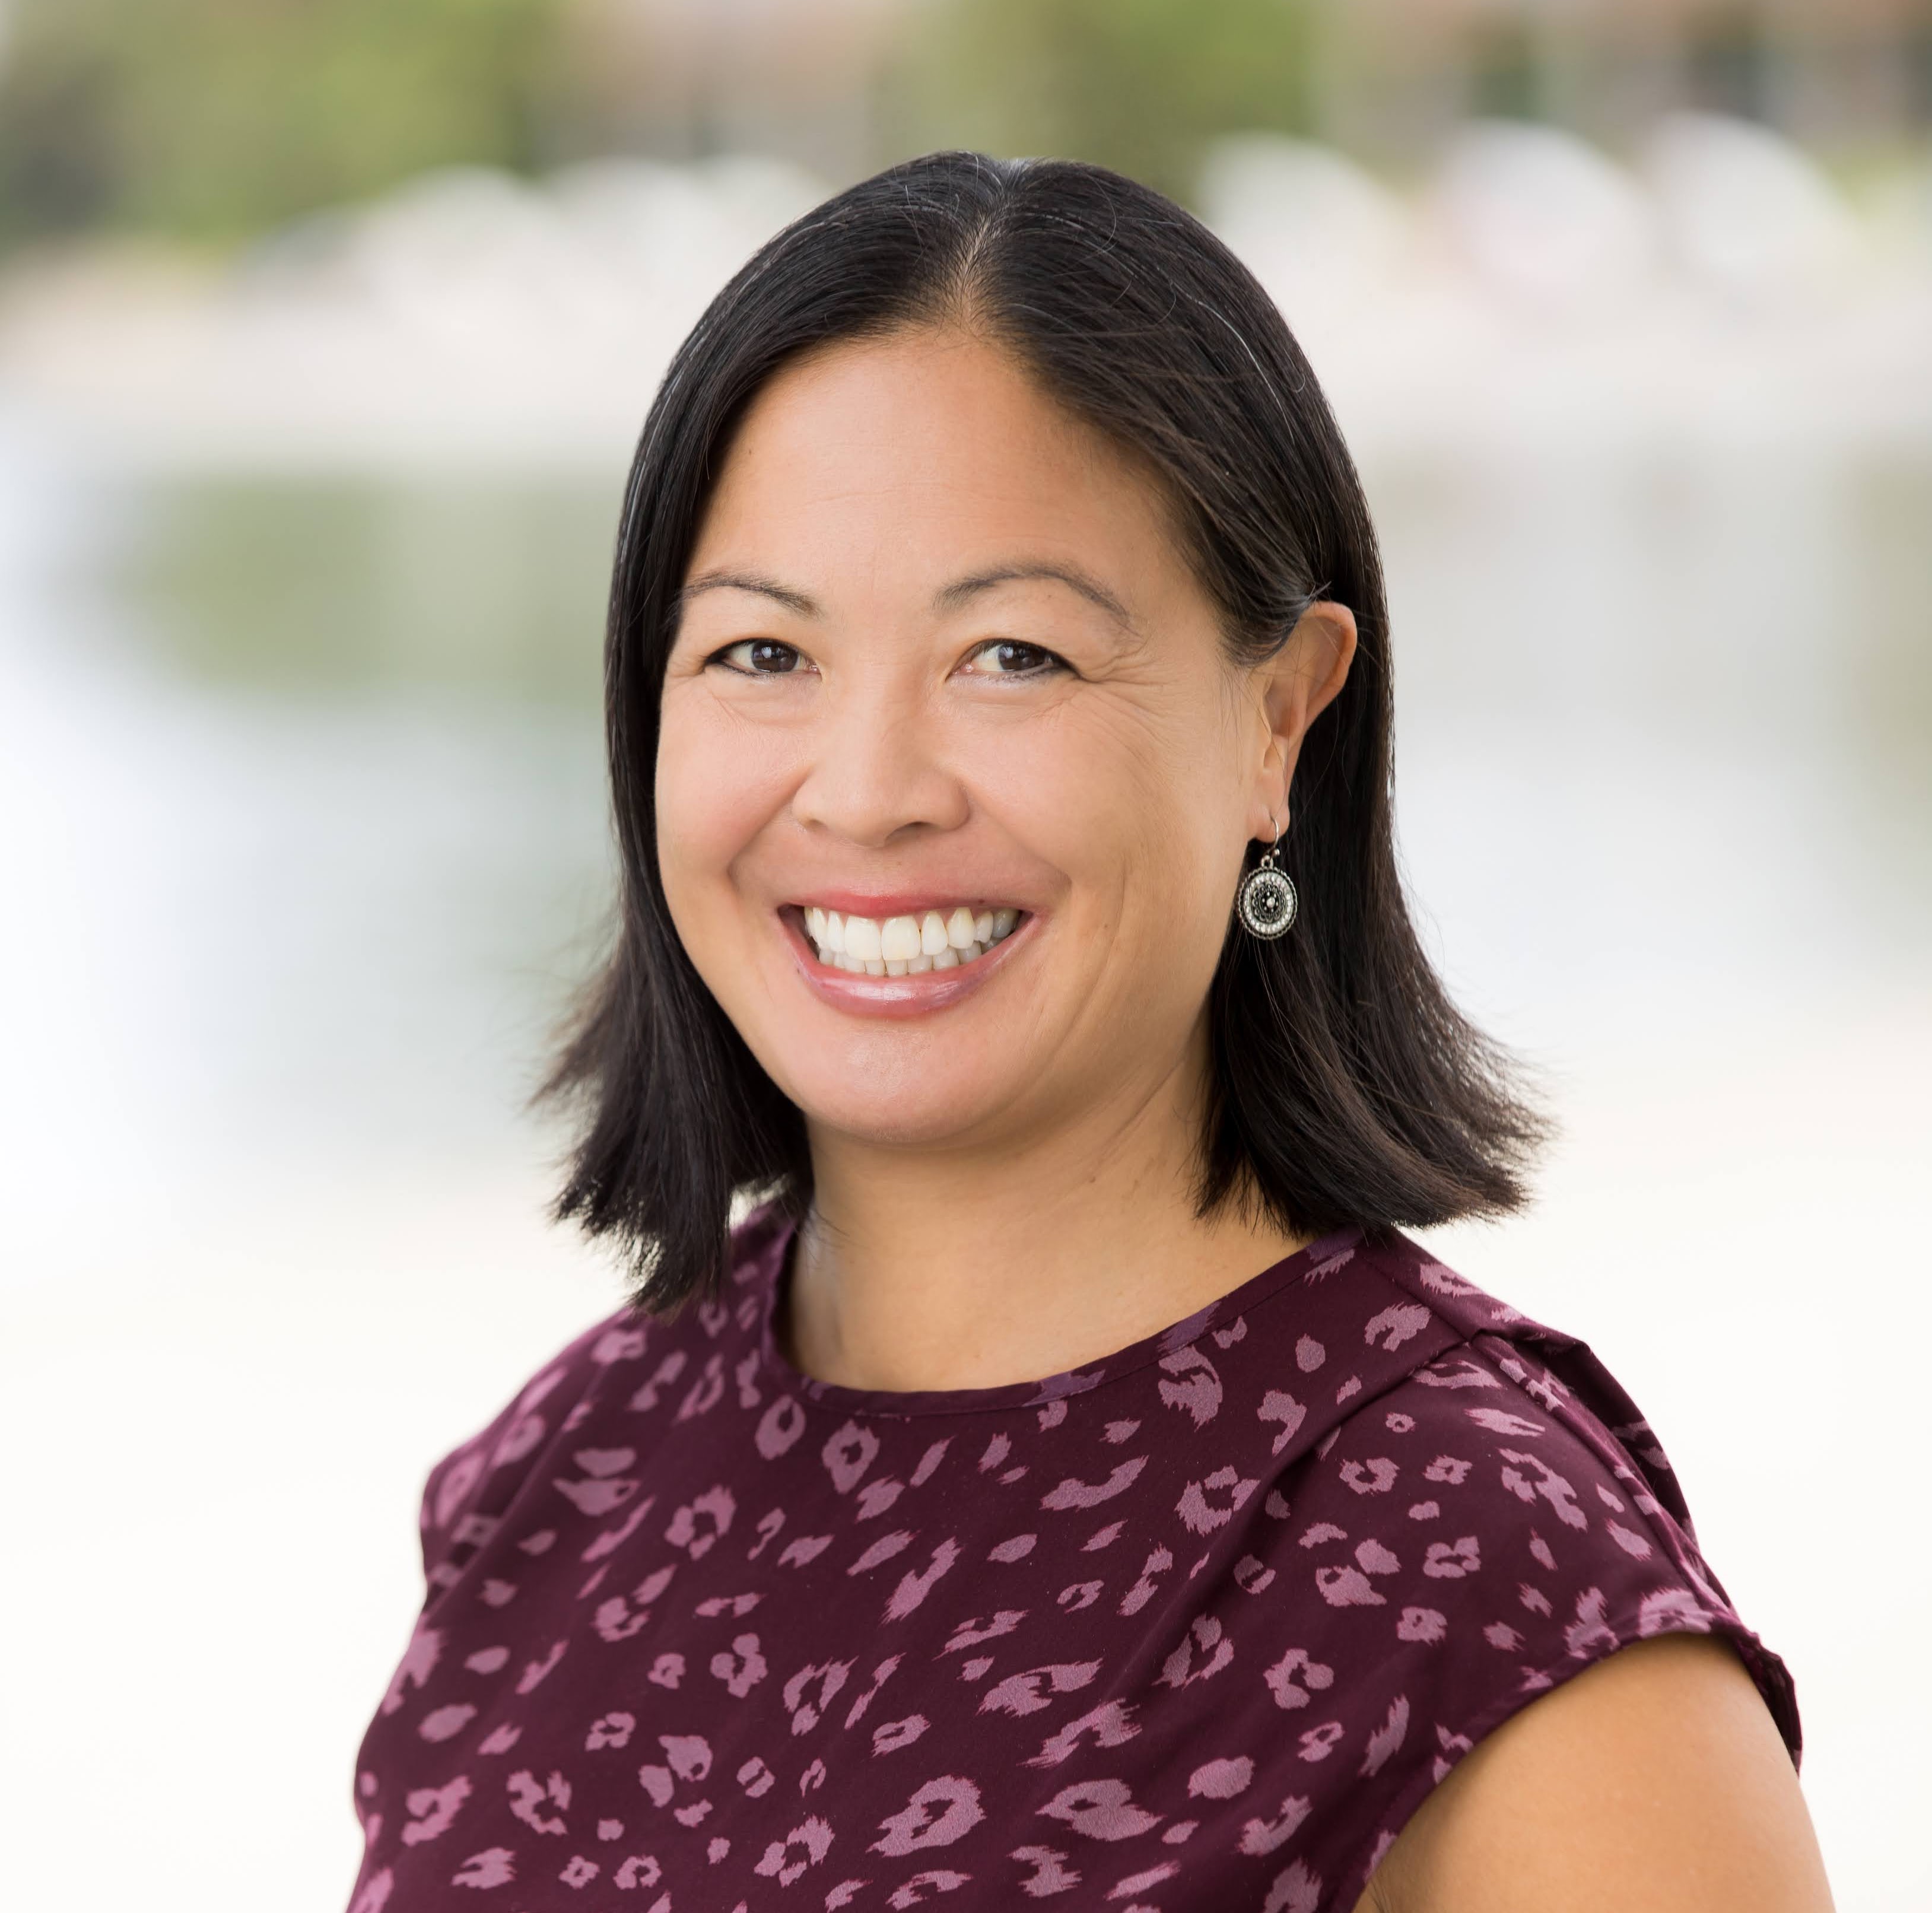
(1654, 1780)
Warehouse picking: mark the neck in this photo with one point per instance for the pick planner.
(973, 1268)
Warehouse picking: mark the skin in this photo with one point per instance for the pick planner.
(1654, 1779)
(1001, 683)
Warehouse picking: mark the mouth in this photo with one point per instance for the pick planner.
(952, 936)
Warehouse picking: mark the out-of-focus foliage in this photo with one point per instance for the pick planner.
(1142, 85)
(212, 118)
(318, 585)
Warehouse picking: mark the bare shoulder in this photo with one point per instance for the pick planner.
(1655, 1778)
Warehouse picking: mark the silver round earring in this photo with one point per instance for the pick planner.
(1266, 901)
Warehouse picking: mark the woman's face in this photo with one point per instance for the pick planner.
(942, 669)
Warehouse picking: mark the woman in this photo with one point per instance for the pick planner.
(1069, 1484)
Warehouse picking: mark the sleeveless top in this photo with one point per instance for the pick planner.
(1193, 1629)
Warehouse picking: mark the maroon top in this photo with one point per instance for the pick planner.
(1195, 1629)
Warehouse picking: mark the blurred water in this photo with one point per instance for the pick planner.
(329, 801)
(301, 819)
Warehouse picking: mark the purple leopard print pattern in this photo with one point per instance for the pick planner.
(1195, 1627)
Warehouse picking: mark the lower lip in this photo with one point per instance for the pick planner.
(909, 995)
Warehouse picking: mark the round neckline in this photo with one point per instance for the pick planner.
(1101, 1372)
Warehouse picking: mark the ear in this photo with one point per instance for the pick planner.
(1292, 688)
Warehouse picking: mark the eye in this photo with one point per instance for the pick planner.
(759, 657)
(1007, 657)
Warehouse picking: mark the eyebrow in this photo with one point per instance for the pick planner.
(752, 581)
(957, 593)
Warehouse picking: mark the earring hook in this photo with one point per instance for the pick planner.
(1268, 855)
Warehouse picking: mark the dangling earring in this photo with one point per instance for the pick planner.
(1266, 901)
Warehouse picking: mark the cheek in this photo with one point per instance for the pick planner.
(713, 794)
(1134, 800)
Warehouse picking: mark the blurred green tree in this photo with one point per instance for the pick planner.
(210, 118)
(1140, 86)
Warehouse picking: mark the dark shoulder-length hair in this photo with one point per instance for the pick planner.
(1346, 1088)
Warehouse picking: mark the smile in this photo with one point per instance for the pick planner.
(906, 946)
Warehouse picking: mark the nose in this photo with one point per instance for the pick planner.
(878, 772)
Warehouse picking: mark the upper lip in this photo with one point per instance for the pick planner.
(908, 903)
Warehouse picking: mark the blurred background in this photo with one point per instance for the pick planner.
(326, 328)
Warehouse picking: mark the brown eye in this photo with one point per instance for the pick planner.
(1005, 657)
(759, 657)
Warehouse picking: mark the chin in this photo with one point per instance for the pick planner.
(923, 1118)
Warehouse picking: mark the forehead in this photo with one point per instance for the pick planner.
(915, 454)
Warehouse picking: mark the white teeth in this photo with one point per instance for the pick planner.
(862, 938)
(905, 945)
